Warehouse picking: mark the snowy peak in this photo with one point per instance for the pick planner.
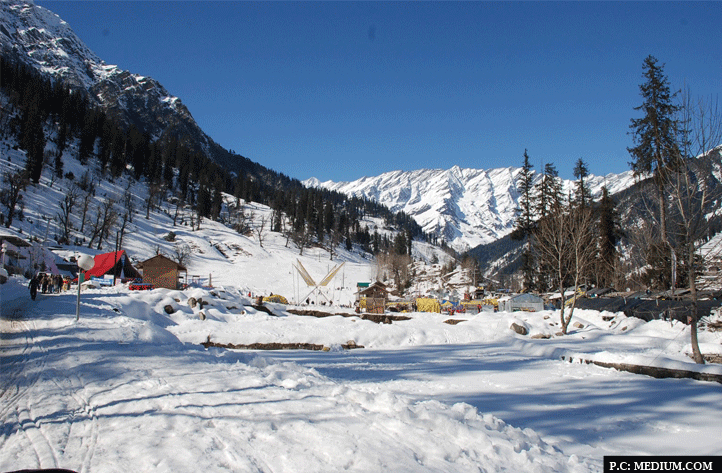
(41, 36)
(41, 39)
(467, 207)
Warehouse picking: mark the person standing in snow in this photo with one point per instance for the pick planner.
(34, 283)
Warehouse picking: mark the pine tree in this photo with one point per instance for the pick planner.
(549, 206)
(32, 139)
(609, 233)
(656, 149)
(582, 195)
(525, 220)
(88, 136)
(548, 191)
(525, 210)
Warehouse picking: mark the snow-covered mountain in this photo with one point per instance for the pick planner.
(467, 207)
(40, 38)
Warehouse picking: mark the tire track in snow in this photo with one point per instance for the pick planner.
(85, 412)
(18, 383)
(47, 457)
(13, 386)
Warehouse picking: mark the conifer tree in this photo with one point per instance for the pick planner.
(525, 210)
(608, 233)
(525, 219)
(548, 191)
(582, 195)
(32, 140)
(549, 203)
(656, 149)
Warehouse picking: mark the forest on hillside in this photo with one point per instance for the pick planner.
(40, 109)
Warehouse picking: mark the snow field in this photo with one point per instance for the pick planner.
(129, 387)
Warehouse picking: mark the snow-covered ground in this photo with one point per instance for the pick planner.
(129, 388)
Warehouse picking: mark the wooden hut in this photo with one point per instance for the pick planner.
(161, 271)
(374, 298)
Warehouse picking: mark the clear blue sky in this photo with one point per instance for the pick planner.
(342, 90)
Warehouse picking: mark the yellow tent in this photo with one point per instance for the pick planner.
(427, 304)
(275, 298)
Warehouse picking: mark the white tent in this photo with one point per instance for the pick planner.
(527, 302)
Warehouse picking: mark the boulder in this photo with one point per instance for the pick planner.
(542, 336)
(520, 329)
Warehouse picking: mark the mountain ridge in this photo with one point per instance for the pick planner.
(39, 38)
(468, 207)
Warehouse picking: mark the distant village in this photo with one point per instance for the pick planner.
(55, 273)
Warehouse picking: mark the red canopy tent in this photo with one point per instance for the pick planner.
(115, 263)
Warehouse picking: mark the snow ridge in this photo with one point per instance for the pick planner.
(467, 207)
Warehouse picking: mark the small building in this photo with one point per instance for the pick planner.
(360, 287)
(161, 271)
(374, 298)
(115, 263)
(525, 302)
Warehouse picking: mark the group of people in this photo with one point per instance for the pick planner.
(47, 283)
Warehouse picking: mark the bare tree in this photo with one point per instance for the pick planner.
(692, 194)
(10, 194)
(179, 203)
(86, 185)
(259, 229)
(182, 253)
(129, 203)
(105, 218)
(155, 192)
(334, 239)
(301, 237)
(400, 265)
(564, 241)
(66, 209)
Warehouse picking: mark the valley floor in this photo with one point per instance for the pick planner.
(130, 388)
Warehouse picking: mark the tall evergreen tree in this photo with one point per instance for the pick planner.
(656, 149)
(525, 219)
(525, 210)
(582, 196)
(32, 139)
(549, 204)
(609, 233)
(548, 192)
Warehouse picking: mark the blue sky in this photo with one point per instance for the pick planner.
(342, 90)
